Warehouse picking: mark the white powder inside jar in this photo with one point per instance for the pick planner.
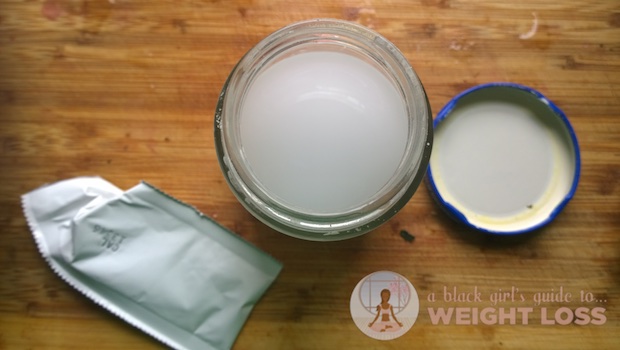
(323, 131)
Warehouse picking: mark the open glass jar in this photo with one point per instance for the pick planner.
(323, 130)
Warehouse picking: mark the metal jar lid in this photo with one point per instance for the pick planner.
(506, 159)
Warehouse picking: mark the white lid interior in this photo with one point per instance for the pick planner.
(504, 159)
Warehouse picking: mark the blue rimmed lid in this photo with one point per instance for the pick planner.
(505, 160)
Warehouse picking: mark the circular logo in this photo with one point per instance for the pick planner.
(384, 305)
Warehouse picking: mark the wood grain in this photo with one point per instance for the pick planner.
(127, 89)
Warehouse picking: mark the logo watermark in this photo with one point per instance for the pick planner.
(384, 305)
(535, 307)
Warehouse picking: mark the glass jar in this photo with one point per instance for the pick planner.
(323, 130)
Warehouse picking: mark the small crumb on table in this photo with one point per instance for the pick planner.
(407, 236)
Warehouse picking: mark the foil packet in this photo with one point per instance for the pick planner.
(152, 260)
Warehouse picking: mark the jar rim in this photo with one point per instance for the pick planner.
(390, 198)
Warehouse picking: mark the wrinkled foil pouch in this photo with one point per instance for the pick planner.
(152, 260)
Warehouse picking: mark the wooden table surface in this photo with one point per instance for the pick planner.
(127, 89)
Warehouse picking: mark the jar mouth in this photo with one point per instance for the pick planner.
(381, 199)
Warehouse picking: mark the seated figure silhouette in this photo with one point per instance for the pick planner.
(388, 322)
